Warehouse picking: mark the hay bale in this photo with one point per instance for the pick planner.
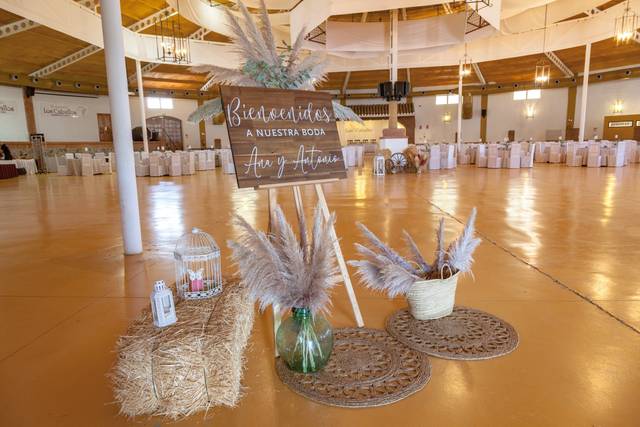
(190, 366)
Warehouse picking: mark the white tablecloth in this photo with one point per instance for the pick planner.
(27, 164)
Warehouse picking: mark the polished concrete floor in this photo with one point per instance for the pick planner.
(560, 260)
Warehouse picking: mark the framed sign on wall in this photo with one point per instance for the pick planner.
(281, 137)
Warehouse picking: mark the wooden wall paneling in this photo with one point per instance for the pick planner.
(105, 131)
(29, 112)
(484, 105)
(626, 132)
(409, 123)
(203, 129)
(571, 107)
(467, 106)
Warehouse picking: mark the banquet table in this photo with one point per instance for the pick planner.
(28, 165)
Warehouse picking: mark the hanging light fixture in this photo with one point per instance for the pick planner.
(543, 68)
(479, 4)
(626, 26)
(466, 62)
(171, 45)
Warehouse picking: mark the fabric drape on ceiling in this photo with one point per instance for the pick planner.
(374, 36)
(558, 11)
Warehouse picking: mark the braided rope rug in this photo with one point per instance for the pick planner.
(367, 368)
(466, 334)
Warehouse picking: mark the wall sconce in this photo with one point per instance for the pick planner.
(530, 112)
(617, 107)
(446, 118)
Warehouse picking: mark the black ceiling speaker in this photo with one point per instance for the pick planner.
(394, 91)
(29, 91)
(401, 89)
(385, 90)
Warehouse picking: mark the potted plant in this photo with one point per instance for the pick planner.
(292, 273)
(429, 288)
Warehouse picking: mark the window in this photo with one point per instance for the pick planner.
(446, 99)
(534, 94)
(155, 103)
(166, 103)
(522, 95)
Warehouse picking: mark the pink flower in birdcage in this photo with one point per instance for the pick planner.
(197, 283)
(198, 270)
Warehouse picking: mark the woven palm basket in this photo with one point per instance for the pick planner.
(187, 367)
(432, 299)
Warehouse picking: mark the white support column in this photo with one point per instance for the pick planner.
(460, 107)
(585, 92)
(393, 105)
(121, 122)
(143, 115)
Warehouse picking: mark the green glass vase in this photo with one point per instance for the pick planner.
(304, 341)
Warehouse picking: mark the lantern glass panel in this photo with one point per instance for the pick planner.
(198, 269)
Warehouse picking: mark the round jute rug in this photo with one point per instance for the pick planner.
(465, 334)
(367, 368)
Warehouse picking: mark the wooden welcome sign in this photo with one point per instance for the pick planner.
(281, 136)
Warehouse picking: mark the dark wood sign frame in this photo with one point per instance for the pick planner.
(282, 137)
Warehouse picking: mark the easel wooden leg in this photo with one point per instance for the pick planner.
(341, 263)
(273, 202)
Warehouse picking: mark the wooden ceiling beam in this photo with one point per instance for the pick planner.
(558, 63)
(21, 80)
(479, 89)
(91, 49)
(479, 75)
(17, 27)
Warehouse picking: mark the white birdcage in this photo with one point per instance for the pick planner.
(198, 271)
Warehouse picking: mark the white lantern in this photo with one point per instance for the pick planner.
(162, 306)
(198, 270)
(378, 165)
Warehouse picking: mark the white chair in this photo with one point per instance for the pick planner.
(61, 166)
(86, 165)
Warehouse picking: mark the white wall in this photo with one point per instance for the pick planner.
(601, 97)
(13, 125)
(434, 129)
(69, 129)
(181, 110)
(217, 131)
(504, 114)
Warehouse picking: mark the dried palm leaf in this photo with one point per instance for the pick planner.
(267, 34)
(385, 270)
(440, 251)
(385, 250)
(417, 256)
(242, 43)
(460, 252)
(253, 34)
(295, 52)
(207, 110)
(275, 269)
(343, 112)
